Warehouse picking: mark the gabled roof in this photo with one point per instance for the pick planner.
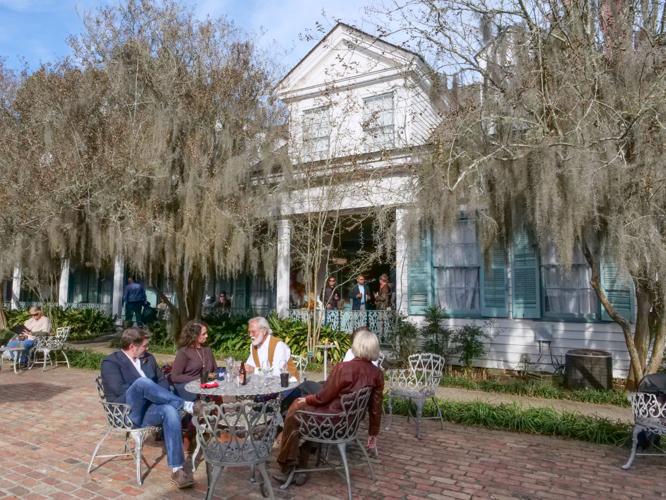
(371, 41)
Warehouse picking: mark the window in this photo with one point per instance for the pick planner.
(316, 133)
(456, 263)
(567, 293)
(378, 122)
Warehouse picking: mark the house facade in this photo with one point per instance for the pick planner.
(359, 104)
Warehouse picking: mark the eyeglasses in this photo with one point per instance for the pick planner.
(34, 314)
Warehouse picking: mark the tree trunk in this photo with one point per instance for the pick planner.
(659, 342)
(636, 368)
(642, 331)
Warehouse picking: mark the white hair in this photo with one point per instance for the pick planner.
(262, 323)
(365, 344)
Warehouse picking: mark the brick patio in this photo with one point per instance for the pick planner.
(51, 422)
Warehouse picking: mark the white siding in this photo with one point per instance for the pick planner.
(511, 338)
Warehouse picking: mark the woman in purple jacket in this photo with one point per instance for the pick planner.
(192, 358)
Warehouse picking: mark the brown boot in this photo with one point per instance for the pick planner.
(182, 479)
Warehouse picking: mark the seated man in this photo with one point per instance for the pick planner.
(347, 377)
(267, 350)
(132, 376)
(36, 325)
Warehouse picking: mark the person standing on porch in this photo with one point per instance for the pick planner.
(384, 296)
(331, 297)
(134, 299)
(361, 295)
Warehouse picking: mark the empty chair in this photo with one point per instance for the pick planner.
(237, 435)
(416, 383)
(339, 429)
(46, 345)
(118, 421)
(649, 418)
(301, 364)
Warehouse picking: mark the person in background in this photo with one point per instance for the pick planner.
(36, 325)
(192, 358)
(344, 379)
(134, 299)
(131, 376)
(331, 296)
(384, 296)
(223, 304)
(361, 295)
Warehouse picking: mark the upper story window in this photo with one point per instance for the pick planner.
(378, 122)
(316, 133)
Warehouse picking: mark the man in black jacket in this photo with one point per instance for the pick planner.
(132, 376)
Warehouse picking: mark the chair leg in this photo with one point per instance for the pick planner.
(108, 431)
(138, 445)
(266, 478)
(439, 412)
(367, 459)
(342, 448)
(634, 445)
(390, 409)
(66, 358)
(214, 473)
(46, 354)
(419, 414)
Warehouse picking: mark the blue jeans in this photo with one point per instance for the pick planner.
(27, 345)
(180, 390)
(152, 404)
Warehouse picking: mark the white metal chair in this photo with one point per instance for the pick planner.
(118, 421)
(416, 383)
(301, 364)
(46, 345)
(237, 435)
(338, 429)
(649, 417)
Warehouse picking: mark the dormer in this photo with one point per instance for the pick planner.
(356, 94)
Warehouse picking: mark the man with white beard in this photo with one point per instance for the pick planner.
(267, 350)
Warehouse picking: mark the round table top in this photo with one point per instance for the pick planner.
(255, 387)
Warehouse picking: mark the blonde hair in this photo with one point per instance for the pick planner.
(365, 344)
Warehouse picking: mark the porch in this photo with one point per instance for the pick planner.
(382, 323)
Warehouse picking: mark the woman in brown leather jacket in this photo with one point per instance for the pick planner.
(345, 378)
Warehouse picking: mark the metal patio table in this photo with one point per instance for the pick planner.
(15, 359)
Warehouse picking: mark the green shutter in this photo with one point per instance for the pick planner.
(525, 278)
(619, 290)
(419, 275)
(493, 284)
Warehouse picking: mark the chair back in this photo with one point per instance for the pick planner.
(117, 414)
(335, 427)
(55, 342)
(239, 433)
(427, 369)
(301, 363)
(647, 407)
(380, 360)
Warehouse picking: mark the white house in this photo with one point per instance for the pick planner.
(357, 102)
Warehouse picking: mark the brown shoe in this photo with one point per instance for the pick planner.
(182, 479)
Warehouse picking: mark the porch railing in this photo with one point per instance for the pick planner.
(381, 323)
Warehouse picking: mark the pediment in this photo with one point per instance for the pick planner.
(344, 54)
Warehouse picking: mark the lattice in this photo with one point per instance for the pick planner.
(335, 427)
(421, 379)
(649, 411)
(237, 433)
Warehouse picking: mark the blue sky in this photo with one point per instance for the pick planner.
(35, 31)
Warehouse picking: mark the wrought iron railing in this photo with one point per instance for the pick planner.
(382, 323)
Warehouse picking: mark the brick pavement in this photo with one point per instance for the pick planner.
(51, 422)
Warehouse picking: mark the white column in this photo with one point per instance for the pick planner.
(118, 287)
(401, 260)
(63, 286)
(16, 287)
(283, 265)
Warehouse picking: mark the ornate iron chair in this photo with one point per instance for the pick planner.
(301, 364)
(237, 435)
(649, 416)
(416, 383)
(338, 429)
(118, 421)
(50, 344)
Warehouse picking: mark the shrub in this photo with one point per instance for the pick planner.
(85, 323)
(85, 359)
(295, 334)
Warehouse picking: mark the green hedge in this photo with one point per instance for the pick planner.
(539, 389)
(512, 417)
(85, 323)
(85, 359)
(227, 336)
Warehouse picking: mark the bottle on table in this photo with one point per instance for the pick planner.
(242, 374)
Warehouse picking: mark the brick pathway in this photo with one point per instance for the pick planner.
(51, 422)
